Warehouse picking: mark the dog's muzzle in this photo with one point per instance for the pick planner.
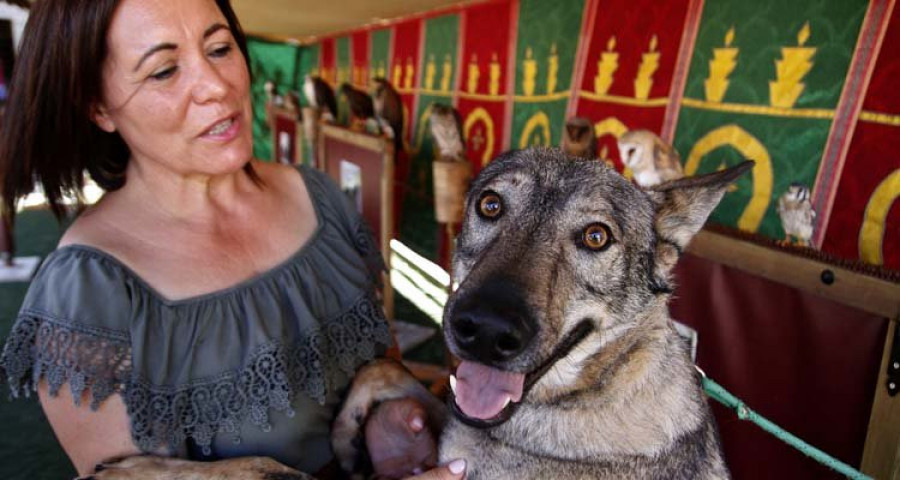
(490, 396)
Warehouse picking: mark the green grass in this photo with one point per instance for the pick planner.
(28, 448)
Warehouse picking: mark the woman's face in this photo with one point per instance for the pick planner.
(176, 87)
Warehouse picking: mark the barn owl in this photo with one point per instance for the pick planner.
(388, 111)
(578, 138)
(446, 129)
(652, 160)
(319, 95)
(796, 214)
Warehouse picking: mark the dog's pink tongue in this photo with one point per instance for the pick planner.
(481, 392)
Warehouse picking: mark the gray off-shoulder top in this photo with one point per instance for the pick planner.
(256, 369)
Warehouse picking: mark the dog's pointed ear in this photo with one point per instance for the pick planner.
(682, 207)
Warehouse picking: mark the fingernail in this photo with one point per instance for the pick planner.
(417, 424)
(457, 466)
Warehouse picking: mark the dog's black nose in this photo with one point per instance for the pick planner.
(492, 324)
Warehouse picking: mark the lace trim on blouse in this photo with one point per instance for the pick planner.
(100, 360)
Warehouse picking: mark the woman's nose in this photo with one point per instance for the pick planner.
(209, 83)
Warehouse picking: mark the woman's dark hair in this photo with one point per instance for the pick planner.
(47, 136)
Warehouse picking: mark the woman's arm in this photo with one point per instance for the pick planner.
(88, 437)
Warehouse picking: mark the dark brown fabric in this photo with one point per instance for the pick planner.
(807, 363)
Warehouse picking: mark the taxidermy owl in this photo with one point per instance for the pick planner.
(360, 103)
(272, 96)
(319, 95)
(652, 160)
(796, 214)
(578, 139)
(446, 130)
(388, 111)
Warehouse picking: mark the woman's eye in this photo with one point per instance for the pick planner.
(220, 51)
(164, 74)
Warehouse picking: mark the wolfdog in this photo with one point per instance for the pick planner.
(570, 366)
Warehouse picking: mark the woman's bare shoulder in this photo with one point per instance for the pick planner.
(93, 226)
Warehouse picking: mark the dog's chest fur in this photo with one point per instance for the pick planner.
(621, 427)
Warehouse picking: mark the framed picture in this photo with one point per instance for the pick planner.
(287, 136)
(363, 166)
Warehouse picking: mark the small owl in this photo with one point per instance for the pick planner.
(652, 160)
(796, 214)
(446, 129)
(319, 95)
(578, 139)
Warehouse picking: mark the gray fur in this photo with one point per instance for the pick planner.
(626, 402)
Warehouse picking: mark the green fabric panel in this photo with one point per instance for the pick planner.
(380, 52)
(307, 64)
(541, 25)
(268, 61)
(441, 42)
(764, 81)
(794, 147)
(419, 224)
(761, 30)
(533, 121)
(342, 51)
(545, 57)
(438, 80)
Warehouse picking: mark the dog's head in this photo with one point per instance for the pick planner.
(554, 249)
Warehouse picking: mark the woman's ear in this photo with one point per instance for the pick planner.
(100, 116)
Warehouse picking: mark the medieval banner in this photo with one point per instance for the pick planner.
(405, 66)
(273, 62)
(379, 53)
(865, 222)
(436, 86)
(328, 61)
(359, 59)
(547, 40)
(484, 74)
(767, 95)
(342, 76)
(627, 68)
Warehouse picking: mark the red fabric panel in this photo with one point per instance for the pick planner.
(405, 53)
(871, 158)
(807, 363)
(486, 38)
(633, 26)
(484, 140)
(359, 51)
(487, 34)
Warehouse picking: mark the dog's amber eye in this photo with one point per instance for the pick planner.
(596, 236)
(490, 206)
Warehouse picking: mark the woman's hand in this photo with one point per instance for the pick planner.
(454, 470)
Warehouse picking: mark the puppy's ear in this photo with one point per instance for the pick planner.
(683, 206)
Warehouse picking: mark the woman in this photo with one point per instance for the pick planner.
(209, 306)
